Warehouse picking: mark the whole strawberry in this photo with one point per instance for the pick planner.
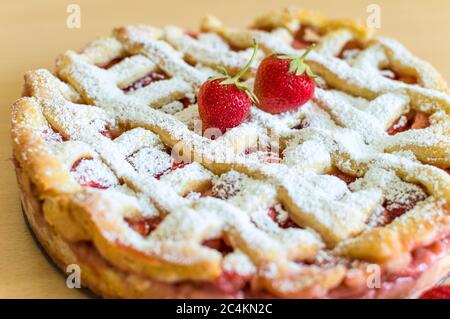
(284, 82)
(223, 102)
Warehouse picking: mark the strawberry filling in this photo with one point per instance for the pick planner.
(50, 135)
(94, 185)
(285, 222)
(346, 178)
(228, 281)
(421, 120)
(147, 79)
(401, 125)
(348, 47)
(185, 101)
(143, 225)
(264, 156)
(111, 132)
(87, 179)
(144, 81)
(219, 244)
(423, 259)
(301, 125)
(192, 34)
(231, 282)
(413, 120)
(175, 165)
(111, 63)
(394, 209)
(305, 36)
(405, 78)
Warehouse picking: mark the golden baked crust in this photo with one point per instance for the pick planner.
(106, 280)
(66, 119)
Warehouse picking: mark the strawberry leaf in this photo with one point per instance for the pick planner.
(294, 65)
(286, 57)
(222, 70)
(301, 69)
(249, 92)
(217, 77)
(298, 65)
(310, 73)
(228, 81)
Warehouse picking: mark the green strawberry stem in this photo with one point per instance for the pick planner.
(298, 64)
(249, 63)
(308, 50)
(227, 79)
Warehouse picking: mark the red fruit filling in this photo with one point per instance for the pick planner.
(396, 209)
(185, 101)
(348, 179)
(219, 244)
(413, 120)
(94, 185)
(283, 223)
(51, 135)
(192, 34)
(86, 181)
(111, 132)
(303, 124)
(228, 281)
(405, 78)
(231, 282)
(350, 46)
(143, 225)
(206, 192)
(421, 120)
(111, 63)
(146, 80)
(401, 125)
(175, 165)
(305, 36)
(423, 258)
(393, 209)
(267, 155)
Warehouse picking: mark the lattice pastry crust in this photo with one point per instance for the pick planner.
(116, 176)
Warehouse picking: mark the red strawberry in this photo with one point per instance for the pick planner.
(223, 102)
(284, 82)
(441, 292)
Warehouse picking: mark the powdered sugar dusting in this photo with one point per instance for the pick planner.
(94, 171)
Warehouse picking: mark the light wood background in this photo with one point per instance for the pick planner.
(34, 32)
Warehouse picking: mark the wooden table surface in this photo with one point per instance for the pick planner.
(34, 32)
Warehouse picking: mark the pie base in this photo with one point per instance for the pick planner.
(98, 275)
(106, 280)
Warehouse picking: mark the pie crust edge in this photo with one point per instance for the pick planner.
(118, 284)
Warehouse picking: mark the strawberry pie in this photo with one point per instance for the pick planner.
(303, 157)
